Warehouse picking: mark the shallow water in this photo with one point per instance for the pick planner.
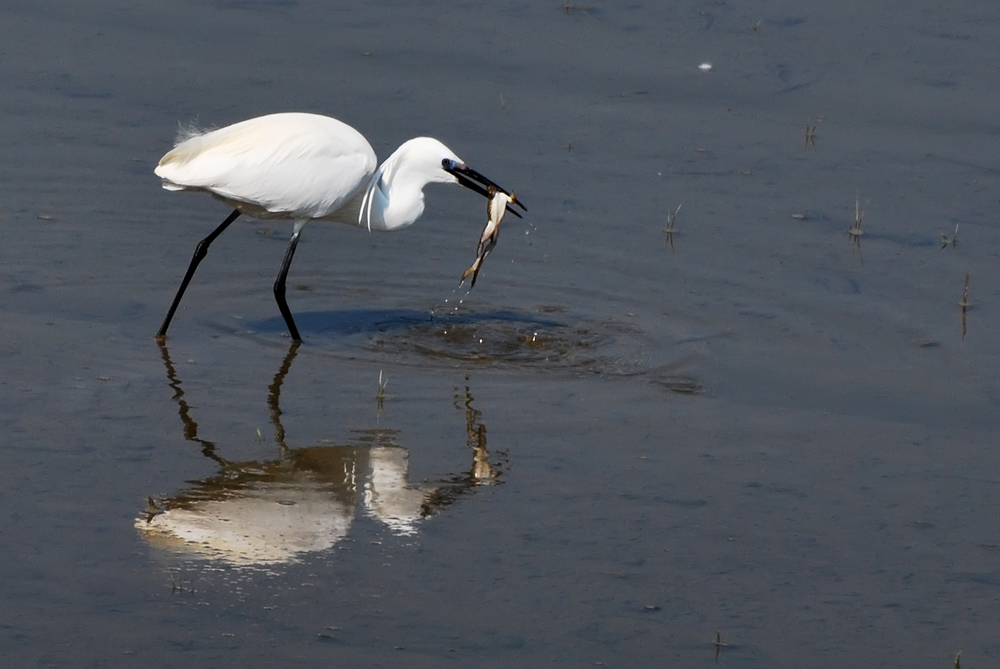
(622, 446)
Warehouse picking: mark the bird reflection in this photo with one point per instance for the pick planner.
(305, 499)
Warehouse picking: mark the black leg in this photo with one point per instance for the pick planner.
(200, 252)
(279, 284)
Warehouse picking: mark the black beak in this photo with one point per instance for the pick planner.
(473, 180)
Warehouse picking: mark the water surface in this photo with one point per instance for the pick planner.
(622, 446)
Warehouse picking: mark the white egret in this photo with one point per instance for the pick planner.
(304, 167)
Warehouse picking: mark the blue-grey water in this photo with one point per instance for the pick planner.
(758, 441)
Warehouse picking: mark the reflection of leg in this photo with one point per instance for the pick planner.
(190, 427)
(200, 252)
(279, 283)
(274, 393)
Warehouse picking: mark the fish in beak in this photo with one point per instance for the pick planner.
(475, 181)
(496, 207)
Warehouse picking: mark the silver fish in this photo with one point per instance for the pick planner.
(496, 207)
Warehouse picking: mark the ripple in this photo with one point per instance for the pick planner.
(545, 338)
(499, 342)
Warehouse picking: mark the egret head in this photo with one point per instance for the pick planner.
(427, 160)
(420, 159)
(395, 197)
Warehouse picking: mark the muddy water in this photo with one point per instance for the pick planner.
(622, 446)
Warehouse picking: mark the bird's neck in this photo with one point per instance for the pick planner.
(403, 206)
(389, 207)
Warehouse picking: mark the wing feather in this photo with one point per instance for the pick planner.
(299, 165)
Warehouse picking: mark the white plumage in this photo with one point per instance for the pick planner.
(305, 167)
(278, 166)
